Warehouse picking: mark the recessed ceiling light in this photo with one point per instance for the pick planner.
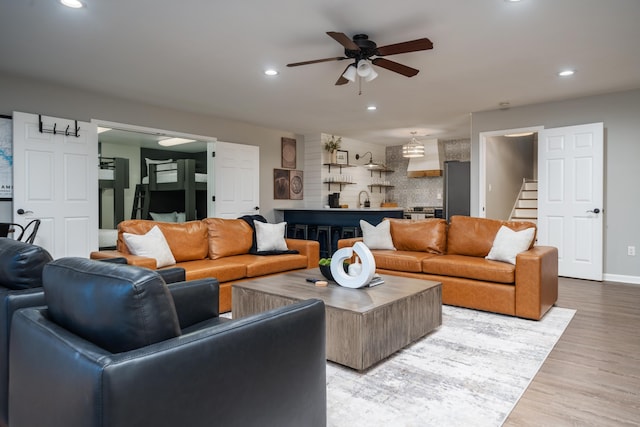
(566, 73)
(271, 72)
(75, 4)
(516, 135)
(174, 141)
(372, 108)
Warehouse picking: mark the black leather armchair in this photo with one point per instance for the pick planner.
(21, 267)
(115, 346)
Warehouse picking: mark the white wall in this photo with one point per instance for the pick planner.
(509, 160)
(620, 113)
(39, 97)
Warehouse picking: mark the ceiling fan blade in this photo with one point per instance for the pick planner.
(342, 80)
(405, 47)
(315, 61)
(344, 40)
(396, 67)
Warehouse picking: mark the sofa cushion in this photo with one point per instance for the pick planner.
(378, 236)
(117, 307)
(259, 265)
(228, 237)
(474, 236)
(22, 264)
(151, 245)
(410, 261)
(509, 243)
(187, 240)
(470, 267)
(423, 235)
(223, 269)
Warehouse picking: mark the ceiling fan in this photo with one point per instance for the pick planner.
(362, 50)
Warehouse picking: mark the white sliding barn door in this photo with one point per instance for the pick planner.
(570, 198)
(56, 180)
(237, 180)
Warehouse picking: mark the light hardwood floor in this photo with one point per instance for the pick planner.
(592, 376)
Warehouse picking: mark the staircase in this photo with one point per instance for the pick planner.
(141, 201)
(526, 205)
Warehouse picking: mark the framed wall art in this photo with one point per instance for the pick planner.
(296, 185)
(281, 184)
(342, 157)
(6, 158)
(288, 153)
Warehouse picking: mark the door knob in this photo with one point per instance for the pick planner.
(595, 211)
(256, 208)
(22, 211)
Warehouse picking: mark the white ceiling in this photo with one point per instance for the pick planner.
(208, 57)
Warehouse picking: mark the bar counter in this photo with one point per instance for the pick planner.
(343, 217)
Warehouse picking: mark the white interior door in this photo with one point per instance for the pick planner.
(237, 180)
(56, 180)
(570, 197)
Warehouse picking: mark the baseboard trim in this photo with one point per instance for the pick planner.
(634, 280)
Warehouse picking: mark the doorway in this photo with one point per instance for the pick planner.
(506, 158)
(133, 145)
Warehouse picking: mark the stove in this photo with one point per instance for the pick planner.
(422, 212)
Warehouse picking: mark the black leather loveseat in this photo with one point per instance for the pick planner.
(116, 346)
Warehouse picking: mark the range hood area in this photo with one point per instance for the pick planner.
(429, 165)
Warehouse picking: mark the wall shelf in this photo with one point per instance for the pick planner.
(381, 171)
(341, 183)
(337, 165)
(379, 187)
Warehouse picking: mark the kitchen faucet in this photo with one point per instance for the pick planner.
(366, 202)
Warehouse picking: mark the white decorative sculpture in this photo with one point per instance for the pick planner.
(365, 275)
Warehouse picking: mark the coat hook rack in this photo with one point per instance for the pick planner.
(55, 130)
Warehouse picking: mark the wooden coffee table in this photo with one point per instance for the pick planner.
(364, 326)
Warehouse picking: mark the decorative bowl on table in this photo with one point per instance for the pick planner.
(326, 271)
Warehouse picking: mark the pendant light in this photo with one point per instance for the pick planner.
(413, 148)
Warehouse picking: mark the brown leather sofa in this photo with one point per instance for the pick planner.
(454, 255)
(215, 247)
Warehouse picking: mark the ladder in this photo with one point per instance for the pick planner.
(141, 201)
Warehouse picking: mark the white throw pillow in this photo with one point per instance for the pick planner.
(508, 243)
(152, 245)
(164, 217)
(378, 237)
(270, 237)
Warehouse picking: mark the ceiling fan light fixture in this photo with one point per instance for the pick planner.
(413, 148)
(350, 73)
(372, 75)
(364, 68)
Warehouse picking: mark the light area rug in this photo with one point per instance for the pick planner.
(469, 372)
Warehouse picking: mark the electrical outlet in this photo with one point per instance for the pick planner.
(631, 250)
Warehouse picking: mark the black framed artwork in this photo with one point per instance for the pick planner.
(342, 157)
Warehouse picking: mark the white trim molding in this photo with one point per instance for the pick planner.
(634, 280)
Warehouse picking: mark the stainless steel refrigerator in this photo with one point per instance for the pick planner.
(457, 188)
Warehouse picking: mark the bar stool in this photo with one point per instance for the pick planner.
(304, 228)
(328, 239)
(349, 231)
